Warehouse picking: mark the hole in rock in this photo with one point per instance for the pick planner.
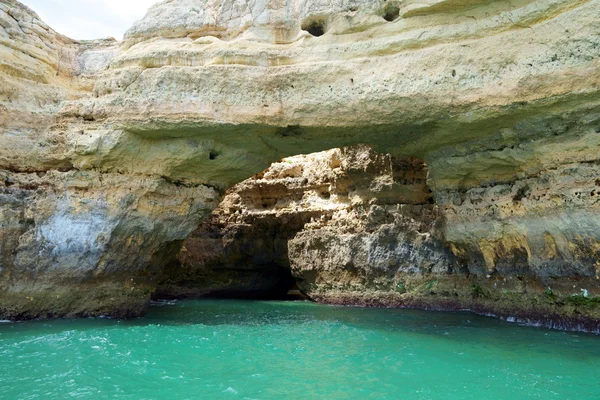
(246, 247)
(290, 130)
(391, 12)
(315, 26)
(213, 154)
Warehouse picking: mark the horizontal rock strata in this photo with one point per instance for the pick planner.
(499, 99)
(62, 234)
(356, 227)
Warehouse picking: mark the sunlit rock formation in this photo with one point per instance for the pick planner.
(498, 98)
(242, 249)
(73, 241)
(352, 226)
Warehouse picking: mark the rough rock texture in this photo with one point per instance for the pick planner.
(73, 242)
(499, 98)
(62, 234)
(242, 249)
(447, 81)
(356, 227)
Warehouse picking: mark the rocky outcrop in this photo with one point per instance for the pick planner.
(352, 226)
(499, 99)
(73, 242)
(85, 243)
(249, 84)
(242, 249)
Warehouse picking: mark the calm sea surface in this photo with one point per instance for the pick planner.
(219, 349)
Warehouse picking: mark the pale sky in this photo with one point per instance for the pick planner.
(90, 19)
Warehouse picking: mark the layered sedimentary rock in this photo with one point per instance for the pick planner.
(242, 249)
(356, 227)
(498, 98)
(523, 251)
(85, 243)
(214, 91)
(73, 242)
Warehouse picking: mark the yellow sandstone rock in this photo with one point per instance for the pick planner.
(500, 99)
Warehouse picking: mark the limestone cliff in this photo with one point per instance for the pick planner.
(73, 242)
(352, 226)
(242, 249)
(498, 98)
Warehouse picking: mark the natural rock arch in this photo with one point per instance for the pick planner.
(112, 153)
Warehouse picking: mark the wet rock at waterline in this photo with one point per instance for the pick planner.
(86, 243)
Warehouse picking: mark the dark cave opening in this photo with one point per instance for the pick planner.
(256, 282)
(315, 26)
(242, 250)
(391, 12)
(278, 284)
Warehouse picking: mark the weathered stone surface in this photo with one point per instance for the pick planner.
(242, 249)
(446, 80)
(377, 211)
(61, 234)
(39, 70)
(496, 97)
(73, 242)
(356, 227)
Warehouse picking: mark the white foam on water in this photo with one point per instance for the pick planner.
(230, 390)
(161, 303)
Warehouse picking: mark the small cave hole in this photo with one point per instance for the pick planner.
(315, 26)
(391, 12)
(213, 154)
(522, 193)
(290, 130)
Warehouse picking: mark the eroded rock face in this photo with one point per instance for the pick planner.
(242, 249)
(85, 243)
(452, 82)
(350, 209)
(73, 242)
(353, 226)
(495, 97)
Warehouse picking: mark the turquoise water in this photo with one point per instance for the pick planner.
(221, 349)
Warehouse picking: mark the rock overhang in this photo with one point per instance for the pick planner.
(420, 85)
(495, 96)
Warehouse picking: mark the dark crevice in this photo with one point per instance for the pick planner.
(315, 26)
(265, 282)
(391, 12)
(213, 154)
(180, 183)
(290, 130)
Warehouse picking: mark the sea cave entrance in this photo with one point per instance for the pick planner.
(242, 250)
